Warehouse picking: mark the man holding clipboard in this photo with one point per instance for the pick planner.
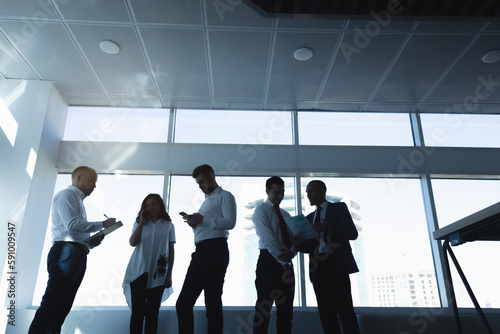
(331, 260)
(67, 259)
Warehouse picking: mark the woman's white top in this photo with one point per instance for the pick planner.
(150, 256)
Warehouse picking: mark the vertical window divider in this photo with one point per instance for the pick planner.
(298, 204)
(442, 274)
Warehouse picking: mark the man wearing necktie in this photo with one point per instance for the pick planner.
(331, 261)
(275, 281)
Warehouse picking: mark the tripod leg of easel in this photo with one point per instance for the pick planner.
(469, 290)
(446, 247)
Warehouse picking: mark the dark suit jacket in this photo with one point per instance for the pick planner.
(342, 229)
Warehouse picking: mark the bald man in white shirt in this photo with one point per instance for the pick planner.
(67, 259)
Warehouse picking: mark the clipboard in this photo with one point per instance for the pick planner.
(103, 232)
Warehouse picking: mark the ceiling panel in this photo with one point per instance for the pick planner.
(41, 9)
(295, 79)
(359, 64)
(449, 26)
(470, 75)
(123, 73)
(409, 80)
(239, 62)
(54, 55)
(167, 11)
(12, 66)
(178, 60)
(109, 10)
(379, 24)
(320, 24)
(230, 54)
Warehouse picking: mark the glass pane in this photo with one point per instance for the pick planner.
(461, 130)
(392, 250)
(456, 199)
(233, 127)
(239, 287)
(367, 129)
(117, 125)
(118, 196)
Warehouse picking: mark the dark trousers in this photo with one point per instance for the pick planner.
(145, 304)
(332, 287)
(206, 273)
(66, 264)
(274, 284)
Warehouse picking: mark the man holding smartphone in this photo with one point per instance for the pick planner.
(209, 262)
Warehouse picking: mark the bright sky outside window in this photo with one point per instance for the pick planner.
(233, 127)
(118, 196)
(365, 129)
(392, 245)
(461, 130)
(239, 286)
(456, 199)
(117, 125)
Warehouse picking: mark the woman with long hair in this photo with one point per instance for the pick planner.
(148, 278)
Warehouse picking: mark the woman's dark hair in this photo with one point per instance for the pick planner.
(159, 200)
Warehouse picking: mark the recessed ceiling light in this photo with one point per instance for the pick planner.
(109, 47)
(303, 54)
(491, 56)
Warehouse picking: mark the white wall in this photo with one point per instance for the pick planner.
(39, 111)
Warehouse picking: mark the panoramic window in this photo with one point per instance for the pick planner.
(116, 125)
(366, 129)
(456, 199)
(392, 248)
(239, 287)
(233, 127)
(461, 130)
(118, 196)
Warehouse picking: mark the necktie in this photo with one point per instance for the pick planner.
(284, 231)
(317, 219)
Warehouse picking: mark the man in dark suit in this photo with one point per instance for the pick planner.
(331, 261)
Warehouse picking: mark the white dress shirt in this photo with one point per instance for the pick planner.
(69, 219)
(154, 245)
(322, 244)
(267, 227)
(219, 215)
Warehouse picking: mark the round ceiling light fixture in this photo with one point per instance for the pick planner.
(491, 56)
(109, 47)
(303, 54)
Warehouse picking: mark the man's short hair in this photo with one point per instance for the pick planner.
(203, 169)
(320, 184)
(274, 180)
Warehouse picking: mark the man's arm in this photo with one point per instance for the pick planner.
(228, 219)
(71, 218)
(342, 226)
(262, 222)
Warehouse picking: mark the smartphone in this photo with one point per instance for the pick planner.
(182, 213)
